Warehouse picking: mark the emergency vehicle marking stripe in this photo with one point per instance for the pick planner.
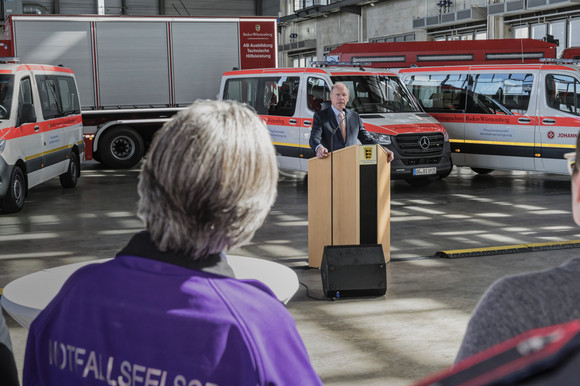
(290, 145)
(492, 142)
(538, 151)
(43, 68)
(544, 145)
(48, 152)
(47, 126)
(274, 71)
(507, 67)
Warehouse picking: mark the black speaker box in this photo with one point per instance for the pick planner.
(353, 270)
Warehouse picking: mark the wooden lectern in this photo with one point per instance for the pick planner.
(361, 200)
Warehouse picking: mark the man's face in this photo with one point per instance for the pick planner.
(339, 97)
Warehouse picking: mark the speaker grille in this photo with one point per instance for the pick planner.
(353, 270)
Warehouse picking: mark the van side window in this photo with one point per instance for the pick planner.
(500, 93)
(562, 93)
(58, 95)
(49, 99)
(317, 91)
(244, 90)
(439, 93)
(68, 95)
(26, 112)
(268, 96)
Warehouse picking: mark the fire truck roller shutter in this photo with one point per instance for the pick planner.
(121, 147)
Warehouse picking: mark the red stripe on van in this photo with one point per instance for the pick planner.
(436, 69)
(46, 126)
(279, 71)
(358, 73)
(562, 121)
(406, 128)
(281, 121)
(38, 67)
(488, 119)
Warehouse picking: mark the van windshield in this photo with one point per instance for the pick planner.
(6, 87)
(377, 94)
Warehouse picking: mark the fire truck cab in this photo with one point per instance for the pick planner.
(514, 117)
(41, 131)
(287, 98)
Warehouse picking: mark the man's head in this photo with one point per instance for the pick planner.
(208, 180)
(339, 96)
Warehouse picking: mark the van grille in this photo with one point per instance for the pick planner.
(419, 145)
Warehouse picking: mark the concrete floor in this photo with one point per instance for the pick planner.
(396, 339)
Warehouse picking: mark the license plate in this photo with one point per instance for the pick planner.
(424, 171)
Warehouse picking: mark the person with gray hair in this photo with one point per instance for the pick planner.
(167, 310)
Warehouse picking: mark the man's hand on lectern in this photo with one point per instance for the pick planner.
(322, 152)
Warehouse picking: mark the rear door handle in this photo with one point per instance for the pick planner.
(307, 123)
(293, 121)
(36, 128)
(524, 120)
(549, 121)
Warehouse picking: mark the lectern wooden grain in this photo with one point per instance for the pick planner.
(357, 210)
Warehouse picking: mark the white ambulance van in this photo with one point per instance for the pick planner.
(514, 117)
(287, 98)
(41, 132)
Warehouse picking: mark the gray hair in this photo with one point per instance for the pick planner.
(208, 180)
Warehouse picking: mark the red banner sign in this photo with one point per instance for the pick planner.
(258, 44)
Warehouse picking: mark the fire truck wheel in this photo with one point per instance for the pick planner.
(14, 200)
(421, 181)
(121, 148)
(482, 171)
(71, 177)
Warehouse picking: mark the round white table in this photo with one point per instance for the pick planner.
(25, 297)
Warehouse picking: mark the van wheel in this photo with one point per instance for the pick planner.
(421, 181)
(121, 148)
(71, 177)
(482, 171)
(14, 200)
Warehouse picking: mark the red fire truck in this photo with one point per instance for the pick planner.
(134, 73)
(438, 53)
(571, 53)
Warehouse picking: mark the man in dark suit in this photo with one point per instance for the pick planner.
(345, 122)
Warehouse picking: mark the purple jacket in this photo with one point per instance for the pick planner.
(143, 321)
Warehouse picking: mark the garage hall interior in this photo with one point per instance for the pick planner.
(417, 327)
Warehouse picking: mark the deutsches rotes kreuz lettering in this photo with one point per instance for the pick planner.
(92, 365)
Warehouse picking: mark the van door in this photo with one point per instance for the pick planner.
(559, 118)
(58, 99)
(499, 132)
(274, 99)
(282, 118)
(32, 142)
(54, 143)
(315, 93)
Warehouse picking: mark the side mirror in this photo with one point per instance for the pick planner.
(26, 114)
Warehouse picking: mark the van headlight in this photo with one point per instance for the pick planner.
(2, 145)
(382, 139)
